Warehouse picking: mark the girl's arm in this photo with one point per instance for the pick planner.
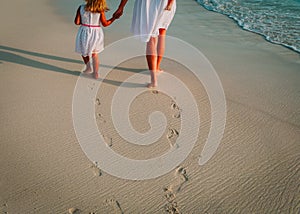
(77, 19)
(105, 22)
(169, 5)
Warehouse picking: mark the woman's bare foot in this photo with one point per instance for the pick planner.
(159, 71)
(96, 75)
(152, 85)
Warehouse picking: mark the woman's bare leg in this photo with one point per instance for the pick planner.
(161, 47)
(151, 56)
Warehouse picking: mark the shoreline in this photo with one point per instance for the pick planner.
(293, 49)
(253, 31)
(44, 169)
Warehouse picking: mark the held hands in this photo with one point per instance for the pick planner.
(119, 11)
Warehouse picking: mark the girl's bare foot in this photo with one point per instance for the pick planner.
(152, 85)
(87, 69)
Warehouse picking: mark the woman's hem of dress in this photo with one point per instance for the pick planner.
(146, 37)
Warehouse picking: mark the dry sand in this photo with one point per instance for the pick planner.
(43, 169)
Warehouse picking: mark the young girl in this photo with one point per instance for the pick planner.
(90, 37)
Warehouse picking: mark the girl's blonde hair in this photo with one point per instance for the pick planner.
(96, 6)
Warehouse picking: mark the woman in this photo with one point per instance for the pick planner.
(150, 22)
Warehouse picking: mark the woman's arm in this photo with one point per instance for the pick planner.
(105, 22)
(77, 19)
(119, 11)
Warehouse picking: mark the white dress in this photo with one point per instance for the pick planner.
(149, 16)
(90, 37)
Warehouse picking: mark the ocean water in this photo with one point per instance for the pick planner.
(277, 20)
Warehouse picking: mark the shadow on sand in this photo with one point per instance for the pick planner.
(9, 54)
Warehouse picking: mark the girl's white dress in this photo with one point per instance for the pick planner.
(149, 16)
(90, 37)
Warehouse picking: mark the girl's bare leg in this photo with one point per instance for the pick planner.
(95, 65)
(151, 56)
(161, 47)
(86, 60)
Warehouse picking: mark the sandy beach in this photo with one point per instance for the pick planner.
(255, 169)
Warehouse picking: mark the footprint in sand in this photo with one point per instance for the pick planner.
(172, 208)
(98, 102)
(169, 195)
(175, 107)
(115, 205)
(154, 91)
(92, 86)
(96, 169)
(108, 141)
(74, 211)
(172, 136)
(181, 178)
(101, 118)
(4, 209)
(177, 115)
